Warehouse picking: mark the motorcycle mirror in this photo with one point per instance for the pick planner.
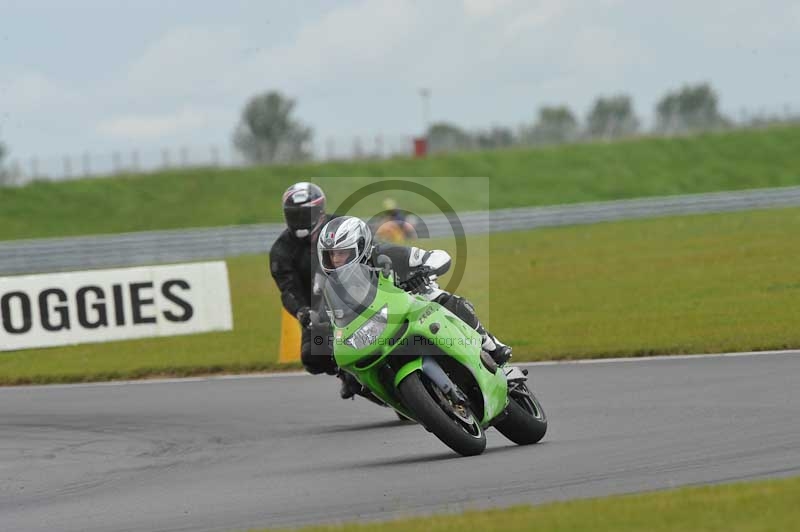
(385, 264)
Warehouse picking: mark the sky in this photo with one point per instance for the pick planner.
(97, 76)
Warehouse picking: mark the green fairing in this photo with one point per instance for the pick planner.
(454, 338)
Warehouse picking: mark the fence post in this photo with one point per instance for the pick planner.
(330, 149)
(135, 160)
(16, 172)
(358, 151)
(87, 169)
(116, 162)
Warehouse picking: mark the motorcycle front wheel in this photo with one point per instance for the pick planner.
(454, 424)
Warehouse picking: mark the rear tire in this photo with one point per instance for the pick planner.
(463, 439)
(525, 422)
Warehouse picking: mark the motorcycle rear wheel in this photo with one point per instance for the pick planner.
(525, 422)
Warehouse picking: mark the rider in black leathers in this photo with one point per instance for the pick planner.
(295, 268)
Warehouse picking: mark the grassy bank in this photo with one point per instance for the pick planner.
(722, 282)
(565, 174)
(744, 507)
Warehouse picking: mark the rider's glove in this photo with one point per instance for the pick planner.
(418, 281)
(304, 317)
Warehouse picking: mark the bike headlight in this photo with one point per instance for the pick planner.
(368, 333)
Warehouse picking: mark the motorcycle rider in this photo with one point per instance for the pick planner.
(394, 224)
(348, 240)
(295, 268)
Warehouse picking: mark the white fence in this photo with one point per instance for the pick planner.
(90, 164)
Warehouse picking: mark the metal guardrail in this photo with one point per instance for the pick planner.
(159, 247)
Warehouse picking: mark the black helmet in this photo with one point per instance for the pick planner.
(303, 208)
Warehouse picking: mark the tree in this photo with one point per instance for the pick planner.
(554, 125)
(496, 137)
(612, 117)
(691, 108)
(444, 136)
(267, 132)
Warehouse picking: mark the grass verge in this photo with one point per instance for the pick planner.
(517, 178)
(743, 507)
(694, 284)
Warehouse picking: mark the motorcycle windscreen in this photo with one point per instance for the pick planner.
(349, 291)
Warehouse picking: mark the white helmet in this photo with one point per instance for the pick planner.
(344, 234)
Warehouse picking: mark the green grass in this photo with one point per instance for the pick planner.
(743, 507)
(565, 174)
(710, 283)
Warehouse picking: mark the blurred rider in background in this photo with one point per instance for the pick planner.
(394, 225)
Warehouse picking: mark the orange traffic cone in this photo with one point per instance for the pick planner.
(290, 338)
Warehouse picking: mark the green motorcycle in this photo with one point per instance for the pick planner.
(418, 358)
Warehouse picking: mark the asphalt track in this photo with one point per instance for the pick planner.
(227, 454)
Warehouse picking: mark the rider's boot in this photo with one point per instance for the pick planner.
(350, 386)
(500, 352)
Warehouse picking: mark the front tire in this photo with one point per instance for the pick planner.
(458, 430)
(525, 422)
(401, 417)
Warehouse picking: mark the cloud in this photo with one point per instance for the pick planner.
(226, 62)
(187, 61)
(601, 52)
(485, 8)
(391, 47)
(28, 91)
(375, 45)
(356, 66)
(155, 127)
(368, 37)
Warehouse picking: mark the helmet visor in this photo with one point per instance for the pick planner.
(301, 217)
(338, 258)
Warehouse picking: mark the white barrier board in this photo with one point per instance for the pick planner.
(103, 305)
